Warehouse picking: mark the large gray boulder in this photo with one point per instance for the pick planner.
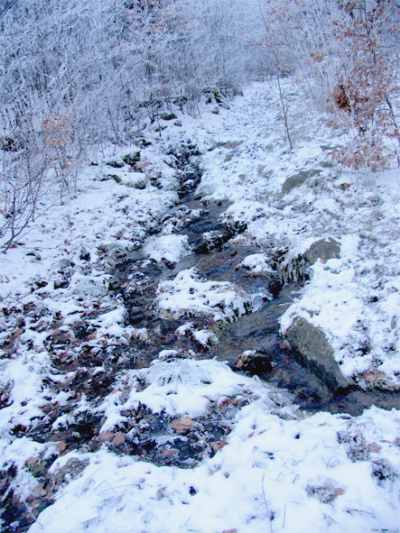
(316, 352)
(323, 249)
(297, 268)
(298, 179)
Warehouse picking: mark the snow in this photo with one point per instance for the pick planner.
(281, 472)
(280, 469)
(188, 294)
(170, 247)
(257, 264)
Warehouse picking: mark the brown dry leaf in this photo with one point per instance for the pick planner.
(106, 436)
(182, 425)
(119, 439)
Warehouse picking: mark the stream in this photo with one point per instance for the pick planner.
(218, 259)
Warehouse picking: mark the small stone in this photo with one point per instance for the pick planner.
(106, 436)
(253, 362)
(115, 164)
(168, 116)
(61, 446)
(84, 255)
(132, 159)
(182, 425)
(139, 185)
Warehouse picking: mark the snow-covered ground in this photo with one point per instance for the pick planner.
(275, 468)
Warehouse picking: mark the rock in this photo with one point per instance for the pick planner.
(253, 362)
(140, 185)
(215, 239)
(144, 143)
(298, 179)
(116, 178)
(61, 282)
(168, 116)
(8, 144)
(115, 164)
(324, 249)
(106, 436)
(315, 350)
(119, 439)
(131, 159)
(182, 425)
(296, 268)
(84, 255)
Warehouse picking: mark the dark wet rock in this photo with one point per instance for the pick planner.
(5, 395)
(139, 185)
(132, 159)
(115, 164)
(254, 362)
(61, 282)
(84, 255)
(40, 284)
(115, 177)
(8, 144)
(316, 352)
(215, 240)
(143, 142)
(297, 268)
(168, 116)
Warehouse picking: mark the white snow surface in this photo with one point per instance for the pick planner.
(188, 294)
(276, 472)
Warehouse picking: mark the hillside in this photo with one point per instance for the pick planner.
(153, 376)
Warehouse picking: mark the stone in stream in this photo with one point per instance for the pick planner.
(254, 362)
(315, 350)
(214, 240)
(296, 268)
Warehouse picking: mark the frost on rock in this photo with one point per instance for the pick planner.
(189, 295)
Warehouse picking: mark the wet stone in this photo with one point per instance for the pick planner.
(254, 363)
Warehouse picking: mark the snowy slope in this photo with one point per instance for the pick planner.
(275, 468)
